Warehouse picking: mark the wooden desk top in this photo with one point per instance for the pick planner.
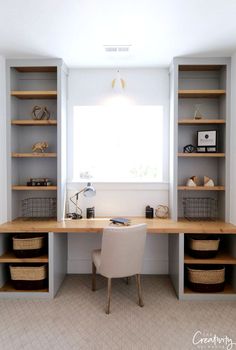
(96, 225)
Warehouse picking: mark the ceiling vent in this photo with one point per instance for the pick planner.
(117, 48)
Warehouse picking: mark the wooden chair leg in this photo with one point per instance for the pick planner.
(138, 282)
(108, 295)
(93, 277)
(127, 279)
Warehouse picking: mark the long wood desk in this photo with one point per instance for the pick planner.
(57, 251)
(97, 225)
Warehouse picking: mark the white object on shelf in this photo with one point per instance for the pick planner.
(208, 182)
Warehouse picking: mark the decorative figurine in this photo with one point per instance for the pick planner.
(162, 212)
(40, 147)
(40, 113)
(197, 113)
(189, 149)
(208, 182)
(192, 181)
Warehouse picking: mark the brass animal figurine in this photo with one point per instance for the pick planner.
(40, 147)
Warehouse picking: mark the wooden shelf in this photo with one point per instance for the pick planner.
(9, 257)
(33, 122)
(221, 258)
(36, 69)
(34, 94)
(8, 287)
(34, 188)
(201, 188)
(198, 155)
(34, 155)
(201, 93)
(199, 68)
(200, 121)
(227, 290)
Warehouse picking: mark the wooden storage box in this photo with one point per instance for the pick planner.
(206, 278)
(28, 245)
(203, 247)
(27, 277)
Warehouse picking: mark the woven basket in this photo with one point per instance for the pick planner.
(203, 248)
(29, 277)
(28, 273)
(206, 278)
(28, 246)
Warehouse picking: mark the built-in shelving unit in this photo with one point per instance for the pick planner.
(203, 85)
(30, 83)
(33, 83)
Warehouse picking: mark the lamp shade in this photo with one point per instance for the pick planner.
(89, 190)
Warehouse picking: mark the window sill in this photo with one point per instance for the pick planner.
(122, 186)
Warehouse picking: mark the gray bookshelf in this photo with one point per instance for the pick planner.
(33, 82)
(204, 82)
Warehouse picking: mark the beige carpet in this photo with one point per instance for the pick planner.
(75, 319)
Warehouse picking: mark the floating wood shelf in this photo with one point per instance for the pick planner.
(201, 93)
(201, 188)
(200, 121)
(199, 68)
(33, 122)
(34, 188)
(204, 155)
(8, 287)
(9, 257)
(34, 155)
(227, 290)
(221, 258)
(36, 69)
(35, 94)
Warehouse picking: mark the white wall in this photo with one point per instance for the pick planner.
(144, 87)
(3, 182)
(233, 142)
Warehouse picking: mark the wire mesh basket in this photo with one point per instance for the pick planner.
(200, 208)
(39, 207)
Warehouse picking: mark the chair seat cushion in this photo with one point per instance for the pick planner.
(96, 257)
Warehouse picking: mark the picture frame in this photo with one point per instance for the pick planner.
(207, 138)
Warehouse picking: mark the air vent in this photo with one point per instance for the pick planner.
(117, 48)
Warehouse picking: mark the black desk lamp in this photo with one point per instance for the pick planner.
(88, 191)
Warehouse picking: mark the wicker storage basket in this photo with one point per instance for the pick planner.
(203, 247)
(28, 245)
(28, 276)
(206, 278)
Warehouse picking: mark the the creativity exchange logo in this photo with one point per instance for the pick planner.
(203, 340)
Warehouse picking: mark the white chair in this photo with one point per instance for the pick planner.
(121, 256)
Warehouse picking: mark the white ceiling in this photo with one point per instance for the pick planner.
(77, 30)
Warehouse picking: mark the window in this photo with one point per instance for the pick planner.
(121, 143)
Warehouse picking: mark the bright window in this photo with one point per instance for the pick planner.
(118, 143)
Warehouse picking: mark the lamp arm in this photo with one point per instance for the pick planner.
(75, 203)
